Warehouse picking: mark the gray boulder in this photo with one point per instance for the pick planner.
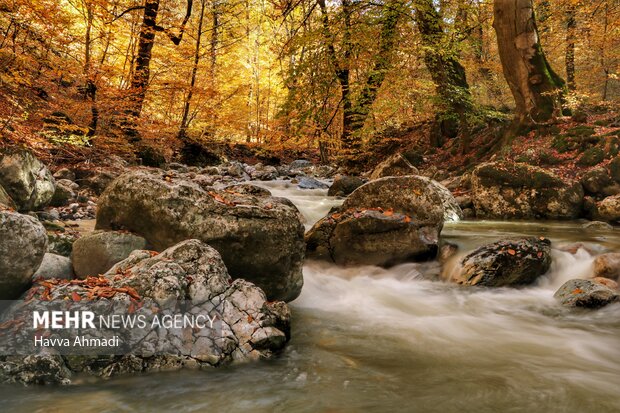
(28, 182)
(598, 182)
(585, 294)
(54, 266)
(508, 190)
(307, 182)
(65, 192)
(383, 222)
(300, 164)
(96, 253)
(506, 263)
(189, 278)
(396, 165)
(23, 242)
(344, 185)
(259, 237)
(419, 197)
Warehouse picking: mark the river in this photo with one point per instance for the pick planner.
(367, 339)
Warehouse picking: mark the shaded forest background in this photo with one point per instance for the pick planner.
(157, 77)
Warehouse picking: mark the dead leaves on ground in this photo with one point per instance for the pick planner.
(94, 287)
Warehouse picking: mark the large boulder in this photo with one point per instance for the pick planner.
(384, 222)
(514, 190)
(344, 185)
(607, 266)
(188, 280)
(29, 183)
(421, 198)
(308, 182)
(54, 266)
(97, 252)
(23, 243)
(598, 182)
(506, 263)
(395, 165)
(608, 209)
(585, 294)
(259, 237)
(65, 192)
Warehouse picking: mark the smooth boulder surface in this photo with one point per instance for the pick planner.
(344, 185)
(23, 243)
(29, 183)
(506, 263)
(607, 266)
(260, 237)
(54, 266)
(308, 182)
(96, 253)
(372, 237)
(396, 165)
(419, 197)
(383, 222)
(189, 277)
(585, 294)
(608, 209)
(505, 190)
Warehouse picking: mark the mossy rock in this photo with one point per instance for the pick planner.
(602, 122)
(614, 169)
(548, 158)
(581, 131)
(563, 144)
(591, 157)
(517, 176)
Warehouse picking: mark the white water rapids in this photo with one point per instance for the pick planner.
(368, 339)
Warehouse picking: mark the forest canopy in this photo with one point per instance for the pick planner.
(299, 73)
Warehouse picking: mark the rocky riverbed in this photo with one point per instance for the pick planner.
(508, 313)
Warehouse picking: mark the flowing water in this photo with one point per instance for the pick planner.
(368, 339)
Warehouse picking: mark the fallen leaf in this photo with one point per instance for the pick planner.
(512, 252)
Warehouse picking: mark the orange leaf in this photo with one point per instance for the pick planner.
(75, 296)
(407, 219)
(389, 212)
(512, 252)
(577, 291)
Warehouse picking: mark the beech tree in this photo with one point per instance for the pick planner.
(536, 88)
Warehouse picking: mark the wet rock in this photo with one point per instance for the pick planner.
(28, 182)
(597, 226)
(608, 209)
(447, 251)
(65, 192)
(23, 243)
(396, 165)
(95, 253)
(421, 198)
(54, 266)
(306, 182)
(519, 191)
(344, 185)
(372, 237)
(261, 172)
(300, 164)
(236, 170)
(259, 237)
(607, 265)
(506, 263)
(99, 180)
(189, 277)
(586, 294)
(606, 282)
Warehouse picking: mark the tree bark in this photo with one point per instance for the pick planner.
(571, 25)
(446, 71)
(536, 88)
(192, 83)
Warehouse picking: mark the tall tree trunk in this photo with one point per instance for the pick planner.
(192, 83)
(571, 25)
(536, 88)
(446, 71)
(90, 89)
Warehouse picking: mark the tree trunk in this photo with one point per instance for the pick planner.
(90, 89)
(571, 25)
(446, 71)
(192, 83)
(536, 88)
